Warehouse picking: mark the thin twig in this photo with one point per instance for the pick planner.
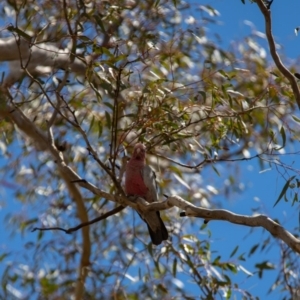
(72, 229)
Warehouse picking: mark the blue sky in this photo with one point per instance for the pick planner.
(285, 17)
(261, 188)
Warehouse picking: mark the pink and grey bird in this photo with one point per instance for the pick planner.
(140, 181)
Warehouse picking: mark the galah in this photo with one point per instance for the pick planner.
(140, 181)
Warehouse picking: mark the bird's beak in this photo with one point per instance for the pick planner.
(138, 150)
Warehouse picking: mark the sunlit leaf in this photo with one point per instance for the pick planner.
(245, 270)
(182, 181)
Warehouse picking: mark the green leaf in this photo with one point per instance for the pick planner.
(265, 265)
(296, 119)
(232, 267)
(48, 287)
(286, 186)
(99, 97)
(253, 249)
(108, 119)
(99, 22)
(174, 268)
(283, 136)
(100, 128)
(150, 249)
(21, 33)
(84, 38)
(241, 257)
(227, 278)
(91, 124)
(282, 131)
(216, 260)
(228, 294)
(26, 223)
(203, 94)
(285, 198)
(2, 256)
(223, 73)
(295, 199)
(273, 73)
(234, 251)
(40, 235)
(156, 264)
(109, 105)
(215, 169)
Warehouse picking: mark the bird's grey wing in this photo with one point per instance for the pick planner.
(150, 181)
(156, 227)
(152, 218)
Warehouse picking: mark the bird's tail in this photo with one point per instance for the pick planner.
(161, 234)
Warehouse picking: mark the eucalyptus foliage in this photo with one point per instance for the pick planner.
(148, 71)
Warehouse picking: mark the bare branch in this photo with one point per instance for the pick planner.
(286, 73)
(190, 210)
(37, 57)
(252, 221)
(72, 229)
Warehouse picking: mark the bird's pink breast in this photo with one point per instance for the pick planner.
(134, 183)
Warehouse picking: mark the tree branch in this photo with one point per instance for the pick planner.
(45, 142)
(191, 210)
(72, 229)
(285, 72)
(252, 221)
(36, 58)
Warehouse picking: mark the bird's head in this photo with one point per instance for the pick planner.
(139, 151)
